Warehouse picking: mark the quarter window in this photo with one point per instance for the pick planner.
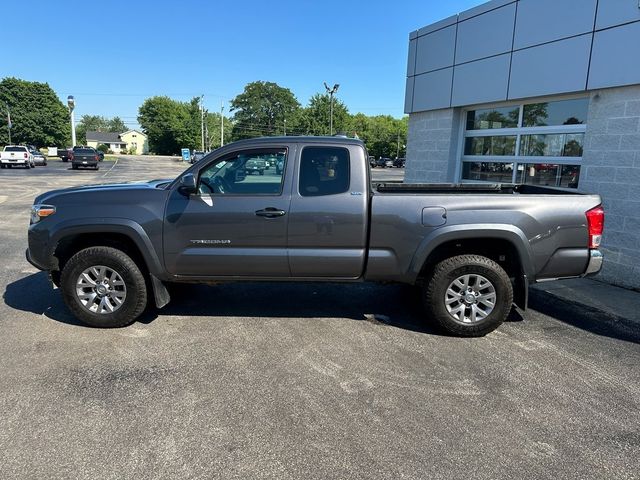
(324, 171)
(504, 144)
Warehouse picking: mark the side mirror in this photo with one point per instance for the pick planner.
(188, 184)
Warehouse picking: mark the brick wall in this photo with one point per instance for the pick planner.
(431, 147)
(611, 168)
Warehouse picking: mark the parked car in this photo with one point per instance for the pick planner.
(388, 163)
(372, 161)
(255, 165)
(16, 156)
(39, 158)
(381, 162)
(471, 249)
(100, 155)
(197, 155)
(85, 157)
(399, 162)
(279, 166)
(63, 153)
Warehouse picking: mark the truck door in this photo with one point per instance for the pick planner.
(329, 212)
(236, 224)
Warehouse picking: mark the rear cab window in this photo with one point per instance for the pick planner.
(324, 171)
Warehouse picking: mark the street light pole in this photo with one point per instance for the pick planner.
(71, 102)
(202, 120)
(331, 92)
(9, 121)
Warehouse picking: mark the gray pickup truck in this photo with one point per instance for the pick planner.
(472, 249)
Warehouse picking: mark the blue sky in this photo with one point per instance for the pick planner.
(112, 55)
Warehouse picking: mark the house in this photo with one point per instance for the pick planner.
(110, 139)
(120, 142)
(137, 140)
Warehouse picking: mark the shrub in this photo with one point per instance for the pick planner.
(103, 148)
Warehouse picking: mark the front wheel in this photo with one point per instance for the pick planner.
(103, 287)
(468, 295)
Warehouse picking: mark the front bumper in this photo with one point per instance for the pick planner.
(31, 261)
(595, 262)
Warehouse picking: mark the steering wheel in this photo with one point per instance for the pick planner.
(204, 182)
(221, 185)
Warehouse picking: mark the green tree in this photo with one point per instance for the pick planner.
(213, 130)
(38, 116)
(261, 110)
(98, 123)
(383, 135)
(315, 118)
(169, 124)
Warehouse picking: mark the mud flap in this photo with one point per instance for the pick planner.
(160, 292)
(521, 292)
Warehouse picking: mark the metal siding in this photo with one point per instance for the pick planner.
(486, 35)
(445, 22)
(481, 81)
(541, 21)
(611, 65)
(616, 12)
(408, 95)
(411, 58)
(484, 8)
(432, 90)
(557, 67)
(435, 50)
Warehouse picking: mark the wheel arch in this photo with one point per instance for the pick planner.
(505, 244)
(118, 233)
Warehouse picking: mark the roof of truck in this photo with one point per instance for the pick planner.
(302, 139)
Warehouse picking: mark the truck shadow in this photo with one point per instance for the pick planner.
(388, 305)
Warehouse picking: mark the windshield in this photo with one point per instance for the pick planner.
(15, 149)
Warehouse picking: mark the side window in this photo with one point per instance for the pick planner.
(251, 172)
(324, 171)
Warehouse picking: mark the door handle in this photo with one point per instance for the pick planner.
(270, 212)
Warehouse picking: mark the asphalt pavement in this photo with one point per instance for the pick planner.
(295, 380)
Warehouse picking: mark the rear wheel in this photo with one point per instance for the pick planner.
(103, 287)
(468, 295)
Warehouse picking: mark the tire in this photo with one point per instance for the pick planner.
(131, 287)
(74, 167)
(481, 308)
(261, 172)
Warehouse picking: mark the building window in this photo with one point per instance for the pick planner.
(504, 144)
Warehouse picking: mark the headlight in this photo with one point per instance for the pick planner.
(38, 212)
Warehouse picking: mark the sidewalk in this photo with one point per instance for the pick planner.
(611, 300)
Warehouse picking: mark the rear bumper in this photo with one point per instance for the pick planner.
(14, 162)
(595, 262)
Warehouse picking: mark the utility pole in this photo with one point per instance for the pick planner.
(398, 150)
(331, 92)
(285, 127)
(207, 146)
(202, 120)
(9, 121)
(222, 123)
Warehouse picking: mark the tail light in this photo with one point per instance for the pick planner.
(97, 158)
(26, 155)
(70, 156)
(595, 225)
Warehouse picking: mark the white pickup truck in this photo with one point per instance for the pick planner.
(16, 155)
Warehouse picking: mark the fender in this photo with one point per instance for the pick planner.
(445, 234)
(127, 227)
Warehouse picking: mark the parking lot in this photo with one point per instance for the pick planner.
(293, 380)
